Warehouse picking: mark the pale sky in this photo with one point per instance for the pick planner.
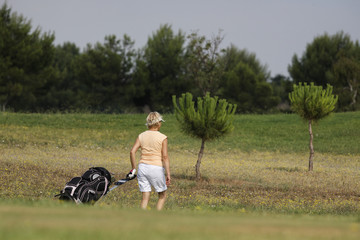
(272, 29)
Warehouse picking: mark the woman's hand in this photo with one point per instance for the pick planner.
(168, 180)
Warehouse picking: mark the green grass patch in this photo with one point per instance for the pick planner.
(49, 220)
(338, 134)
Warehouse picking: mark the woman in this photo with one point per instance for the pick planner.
(154, 160)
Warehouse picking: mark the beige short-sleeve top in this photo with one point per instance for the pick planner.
(151, 146)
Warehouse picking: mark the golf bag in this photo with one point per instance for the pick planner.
(90, 187)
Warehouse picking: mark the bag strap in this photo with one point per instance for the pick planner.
(106, 187)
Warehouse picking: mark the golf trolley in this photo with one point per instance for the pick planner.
(93, 185)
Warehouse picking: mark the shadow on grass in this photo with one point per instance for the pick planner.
(191, 178)
(286, 169)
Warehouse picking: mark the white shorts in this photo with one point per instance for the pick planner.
(151, 175)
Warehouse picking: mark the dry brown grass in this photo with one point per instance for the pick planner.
(233, 180)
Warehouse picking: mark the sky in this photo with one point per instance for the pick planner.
(274, 30)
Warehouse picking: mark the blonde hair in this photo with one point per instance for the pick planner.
(154, 119)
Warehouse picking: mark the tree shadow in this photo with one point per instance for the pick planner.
(189, 177)
(286, 169)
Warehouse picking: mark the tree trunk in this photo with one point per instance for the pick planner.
(353, 92)
(353, 102)
(3, 106)
(197, 166)
(311, 147)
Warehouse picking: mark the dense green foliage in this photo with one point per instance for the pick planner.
(104, 72)
(326, 61)
(312, 102)
(245, 82)
(347, 71)
(160, 71)
(211, 118)
(203, 63)
(25, 61)
(113, 77)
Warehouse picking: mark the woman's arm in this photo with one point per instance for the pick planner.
(133, 151)
(166, 161)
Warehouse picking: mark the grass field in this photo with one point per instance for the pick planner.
(255, 180)
(50, 221)
(337, 134)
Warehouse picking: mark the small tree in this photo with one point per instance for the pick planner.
(212, 118)
(312, 103)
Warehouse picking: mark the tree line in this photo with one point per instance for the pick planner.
(114, 77)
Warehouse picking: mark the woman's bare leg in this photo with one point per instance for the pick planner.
(145, 200)
(161, 201)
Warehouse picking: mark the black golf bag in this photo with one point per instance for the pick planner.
(90, 187)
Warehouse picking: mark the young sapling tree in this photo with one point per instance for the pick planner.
(210, 119)
(312, 103)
